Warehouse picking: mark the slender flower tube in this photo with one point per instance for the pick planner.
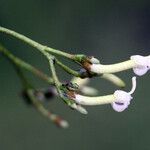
(114, 79)
(119, 100)
(139, 64)
(87, 90)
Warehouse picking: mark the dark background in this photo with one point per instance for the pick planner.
(110, 30)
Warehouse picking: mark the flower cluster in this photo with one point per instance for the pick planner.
(120, 99)
(76, 93)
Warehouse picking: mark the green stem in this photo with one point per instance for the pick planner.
(67, 69)
(57, 83)
(25, 65)
(52, 67)
(32, 43)
(42, 49)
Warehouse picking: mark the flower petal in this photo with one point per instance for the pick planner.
(119, 108)
(142, 63)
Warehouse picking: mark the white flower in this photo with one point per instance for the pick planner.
(139, 64)
(122, 98)
(119, 100)
(142, 64)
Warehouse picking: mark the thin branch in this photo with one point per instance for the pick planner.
(46, 113)
(34, 44)
(25, 65)
(37, 104)
(68, 69)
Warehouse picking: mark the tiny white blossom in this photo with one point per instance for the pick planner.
(122, 98)
(142, 64)
(139, 64)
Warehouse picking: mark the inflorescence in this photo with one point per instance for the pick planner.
(76, 93)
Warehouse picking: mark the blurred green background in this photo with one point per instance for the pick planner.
(110, 30)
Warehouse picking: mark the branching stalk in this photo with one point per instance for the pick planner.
(25, 65)
(34, 44)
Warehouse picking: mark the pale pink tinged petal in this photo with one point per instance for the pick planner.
(122, 100)
(140, 70)
(119, 107)
(142, 64)
(122, 96)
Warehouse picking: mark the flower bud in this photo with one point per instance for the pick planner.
(94, 60)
